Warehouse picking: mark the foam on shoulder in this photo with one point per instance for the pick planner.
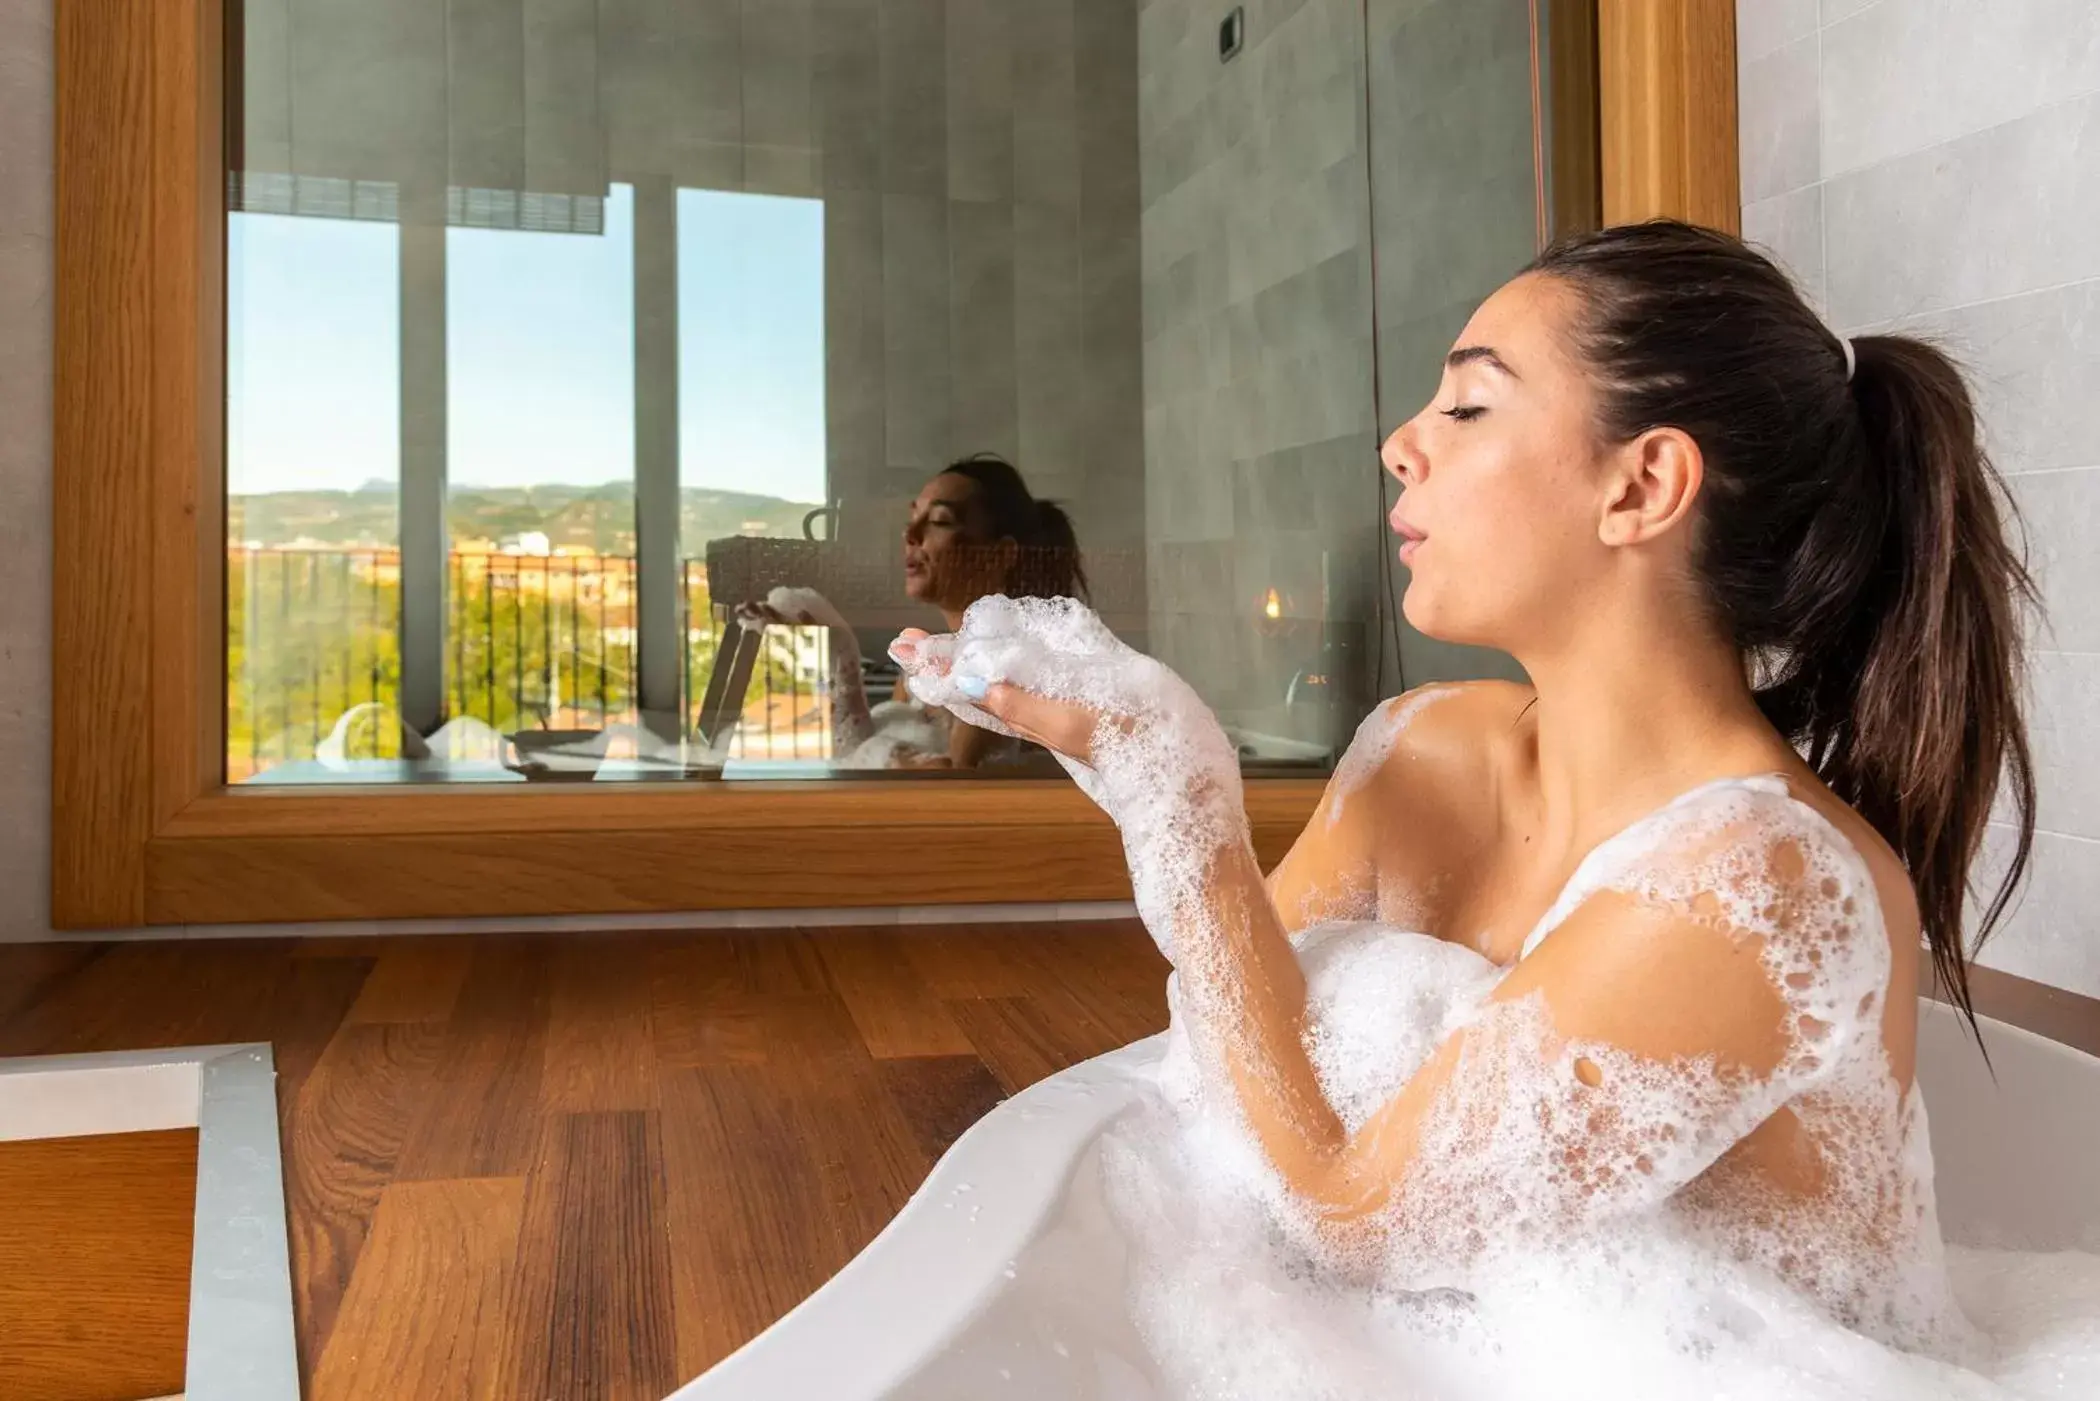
(1374, 742)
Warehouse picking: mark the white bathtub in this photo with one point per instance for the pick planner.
(935, 1309)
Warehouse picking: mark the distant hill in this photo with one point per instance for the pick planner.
(599, 518)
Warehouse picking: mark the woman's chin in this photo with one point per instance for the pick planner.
(1419, 605)
(1418, 608)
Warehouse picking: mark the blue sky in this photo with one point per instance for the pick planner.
(539, 351)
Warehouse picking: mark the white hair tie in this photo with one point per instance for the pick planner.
(1851, 357)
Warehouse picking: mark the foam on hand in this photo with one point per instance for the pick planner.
(806, 607)
(1575, 1224)
(1160, 763)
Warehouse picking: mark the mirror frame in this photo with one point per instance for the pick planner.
(145, 831)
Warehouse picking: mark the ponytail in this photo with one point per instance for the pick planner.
(1933, 723)
(1047, 562)
(1851, 537)
(1056, 570)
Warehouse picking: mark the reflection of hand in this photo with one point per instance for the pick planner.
(759, 615)
(785, 607)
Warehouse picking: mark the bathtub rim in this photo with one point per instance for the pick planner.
(241, 1344)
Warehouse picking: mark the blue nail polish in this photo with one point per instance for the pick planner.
(975, 687)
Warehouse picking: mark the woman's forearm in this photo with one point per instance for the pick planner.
(1244, 995)
(1143, 745)
(851, 722)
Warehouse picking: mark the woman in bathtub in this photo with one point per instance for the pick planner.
(1760, 580)
(974, 529)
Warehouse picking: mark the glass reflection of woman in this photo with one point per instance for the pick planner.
(975, 529)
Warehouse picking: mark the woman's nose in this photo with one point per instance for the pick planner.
(1402, 455)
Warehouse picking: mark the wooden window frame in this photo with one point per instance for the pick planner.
(145, 832)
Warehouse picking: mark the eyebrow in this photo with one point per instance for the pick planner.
(1485, 354)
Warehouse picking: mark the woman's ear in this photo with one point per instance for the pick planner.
(1652, 482)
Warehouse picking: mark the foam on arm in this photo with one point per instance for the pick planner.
(852, 724)
(1163, 768)
(1719, 966)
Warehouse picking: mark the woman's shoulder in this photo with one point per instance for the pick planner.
(1444, 720)
(1777, 849)
(1429, 752)
(1841, 823)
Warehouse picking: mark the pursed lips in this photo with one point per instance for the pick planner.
(1411, 538)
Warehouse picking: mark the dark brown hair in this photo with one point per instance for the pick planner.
(1851, 537)
(1047, 564)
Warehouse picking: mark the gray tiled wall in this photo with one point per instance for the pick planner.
(1263, 208)
(1259, 423)
(1933, 166)
(25, 465)
(1453, 190)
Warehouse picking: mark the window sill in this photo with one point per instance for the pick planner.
(298, 854)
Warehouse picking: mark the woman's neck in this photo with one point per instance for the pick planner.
(1630, 715)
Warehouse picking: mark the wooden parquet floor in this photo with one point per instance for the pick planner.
(587, 1166)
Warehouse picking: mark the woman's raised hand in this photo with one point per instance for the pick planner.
(1134, 735)
(1065, 728)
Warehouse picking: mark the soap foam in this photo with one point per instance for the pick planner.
(1233, 1300)
(1574, 1223)
(1162, 767)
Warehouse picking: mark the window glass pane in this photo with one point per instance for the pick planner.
(540, 618)
(610, 383)
(751, 347)
(312, 476)
(751, 446)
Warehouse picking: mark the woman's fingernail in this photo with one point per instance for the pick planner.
(975, 687)
(902, 652)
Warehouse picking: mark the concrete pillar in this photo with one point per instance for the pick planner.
(425, 544)
(656, 498)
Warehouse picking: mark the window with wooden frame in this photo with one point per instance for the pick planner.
(167, 711)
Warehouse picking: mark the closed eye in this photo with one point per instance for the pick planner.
(1464, 413)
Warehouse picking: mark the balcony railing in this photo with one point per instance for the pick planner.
(532, 641)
